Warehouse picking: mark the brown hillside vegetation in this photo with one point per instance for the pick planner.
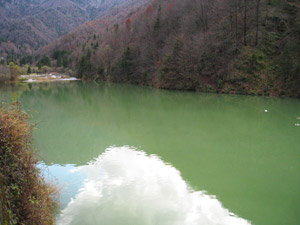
(228, 46)
(26, 25)
(24, 196)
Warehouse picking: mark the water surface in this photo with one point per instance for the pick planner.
(244, 150)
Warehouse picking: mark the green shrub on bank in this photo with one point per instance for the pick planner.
(24, 196)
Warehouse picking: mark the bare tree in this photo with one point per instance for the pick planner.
(245, 21)
(257, 12)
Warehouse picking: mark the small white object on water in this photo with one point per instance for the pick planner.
(30, 80)
(297, 124)
(70, 78)
(266, 110)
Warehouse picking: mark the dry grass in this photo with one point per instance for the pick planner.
(25, 198)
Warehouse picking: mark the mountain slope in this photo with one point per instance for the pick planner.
(34, 23)
(230, 46)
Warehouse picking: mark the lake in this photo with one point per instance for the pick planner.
(123, 154)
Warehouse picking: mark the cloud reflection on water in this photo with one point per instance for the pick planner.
(126, 186)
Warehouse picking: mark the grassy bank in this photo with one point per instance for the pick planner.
(24, 196)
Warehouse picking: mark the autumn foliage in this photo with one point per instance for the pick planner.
(228, 46)
(25, 198)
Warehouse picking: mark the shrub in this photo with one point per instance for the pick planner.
(24, 196)
(14, 71)
(45, 61)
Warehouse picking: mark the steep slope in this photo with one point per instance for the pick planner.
(34, 23)
(231, 46)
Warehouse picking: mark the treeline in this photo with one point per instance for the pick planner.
(10, 70)
(230, 46)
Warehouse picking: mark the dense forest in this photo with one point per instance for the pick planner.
(228, 46)
(26, 25)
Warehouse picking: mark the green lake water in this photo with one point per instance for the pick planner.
(154, 150)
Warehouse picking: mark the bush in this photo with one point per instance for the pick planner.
(14, 71)
(4, 73)
(45, 69)
(45, 61)
(24, 196)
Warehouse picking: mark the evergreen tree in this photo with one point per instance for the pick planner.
(29, 70)
(126, 63)
(45, 61)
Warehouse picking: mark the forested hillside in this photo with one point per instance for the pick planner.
(230, 46)
(26, 25)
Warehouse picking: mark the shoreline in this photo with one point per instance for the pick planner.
(37, 78)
